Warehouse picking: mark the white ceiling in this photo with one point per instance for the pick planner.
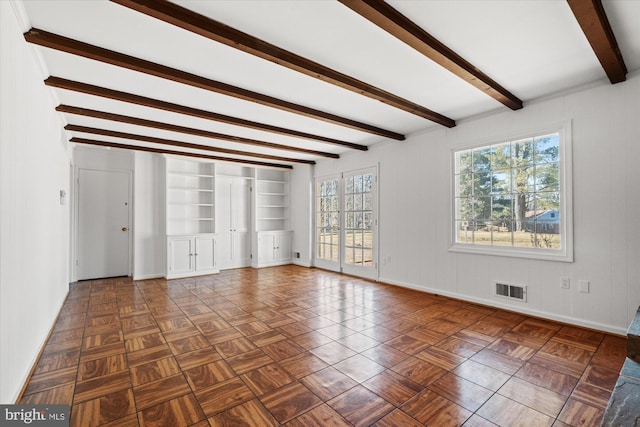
(533, 48)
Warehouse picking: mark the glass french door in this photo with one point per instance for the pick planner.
(346, 223)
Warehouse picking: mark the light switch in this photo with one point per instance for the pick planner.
(584, 286)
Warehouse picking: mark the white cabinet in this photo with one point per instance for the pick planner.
(191, 255)
(190, 215)
(274, 248)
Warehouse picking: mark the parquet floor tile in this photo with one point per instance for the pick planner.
(328, 383)
(298, 347)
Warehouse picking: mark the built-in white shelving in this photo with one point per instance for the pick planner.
(272, 200)
(190, 197)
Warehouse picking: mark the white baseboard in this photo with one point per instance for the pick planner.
(148, 276)
(519, 309)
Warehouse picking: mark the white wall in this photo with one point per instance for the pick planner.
(34, 226)
(149, 217)
(415, 197)
(300, 212)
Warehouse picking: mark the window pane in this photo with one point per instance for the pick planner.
(548, 202)
(481, 183)
(523, 180)
(350, 220)
(357, 239)
(357, 184)
(357, 202)
(482, 208)
(359, 220)
(501, 209)
(348, 202)
(482, 232)
(367, 257)
(368, 220)
(368, 201)
(464, 233)
(501, 157)
(481, 159)
(464, 208)
(349, 185)
(548, 177)
(463, 161)
(502, 233)
(334, 219)
(501, 182)
(464, 184)
(368, 183)
(547, 148)
(522, 152)
(335, 254)
(548, 234)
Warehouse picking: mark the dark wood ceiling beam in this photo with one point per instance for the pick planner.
(75, 47)
(592, 18)
(175, 153)
(185, 130)
(219, 32)
(389, 19)
(181, 144)
(189, 111)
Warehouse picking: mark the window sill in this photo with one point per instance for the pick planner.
(528, 253)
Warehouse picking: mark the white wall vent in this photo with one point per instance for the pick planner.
(511, 291)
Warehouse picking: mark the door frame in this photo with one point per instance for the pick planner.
(76, 214)
(341, 266)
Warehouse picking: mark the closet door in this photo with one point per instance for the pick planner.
(233, 220)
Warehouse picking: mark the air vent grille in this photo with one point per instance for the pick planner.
(511, 291)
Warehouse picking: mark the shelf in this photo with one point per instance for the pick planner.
(195, 175)
(204, 190)
(206, 205)
(190, 196)
(174, 218)
(272, 181)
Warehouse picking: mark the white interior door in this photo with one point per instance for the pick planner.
(346, 223)
(103, 224)
(233, 220)
(241, 223)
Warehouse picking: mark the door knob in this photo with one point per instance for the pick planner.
(124, 228)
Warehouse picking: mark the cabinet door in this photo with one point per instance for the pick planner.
(205, 250)
(181, 255)
(283, 246)
(266, 248)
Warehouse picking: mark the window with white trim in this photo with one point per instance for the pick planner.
(513, 197)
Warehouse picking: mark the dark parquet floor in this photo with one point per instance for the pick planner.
(304, 347)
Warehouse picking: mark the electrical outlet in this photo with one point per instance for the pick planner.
(584, 286)
(565, 282)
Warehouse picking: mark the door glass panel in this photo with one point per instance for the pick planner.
(359, 219)
(327, 220)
